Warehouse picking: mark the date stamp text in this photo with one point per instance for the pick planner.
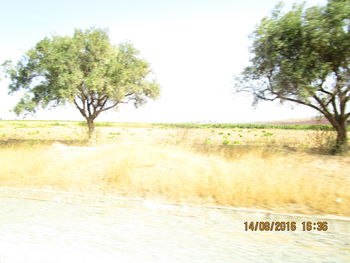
(285, 226)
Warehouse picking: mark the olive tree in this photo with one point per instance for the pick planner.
(303, 56)
(85, 70)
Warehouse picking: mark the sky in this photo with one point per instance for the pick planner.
(195, 49)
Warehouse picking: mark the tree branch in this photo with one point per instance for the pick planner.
(110, 107)
(82, 111)
(321, 103)
(305, 103)
(265, 98)
(326, 91)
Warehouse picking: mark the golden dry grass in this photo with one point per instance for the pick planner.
(152, 166)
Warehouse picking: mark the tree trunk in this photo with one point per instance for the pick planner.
(339, 123)
(91, 130)
(341, 144)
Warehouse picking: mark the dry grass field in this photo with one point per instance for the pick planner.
(282, 170)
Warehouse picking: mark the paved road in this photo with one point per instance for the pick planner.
(65, 229)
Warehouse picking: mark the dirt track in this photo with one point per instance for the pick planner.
(67, 228)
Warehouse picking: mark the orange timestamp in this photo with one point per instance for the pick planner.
(285, 226)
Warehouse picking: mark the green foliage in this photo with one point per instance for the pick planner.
(226, 142)
(85, 70)
(34, 132)
(115, 133)
(208, 141)
(303, 56)
(267, 134)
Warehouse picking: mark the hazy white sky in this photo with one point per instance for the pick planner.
(195, 47)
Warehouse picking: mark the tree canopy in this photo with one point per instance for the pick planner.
(303, 56)
(85, 70)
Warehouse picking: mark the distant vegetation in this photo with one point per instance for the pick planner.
(247, 126)
(42, 124)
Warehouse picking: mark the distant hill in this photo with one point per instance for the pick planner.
(303, 121)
